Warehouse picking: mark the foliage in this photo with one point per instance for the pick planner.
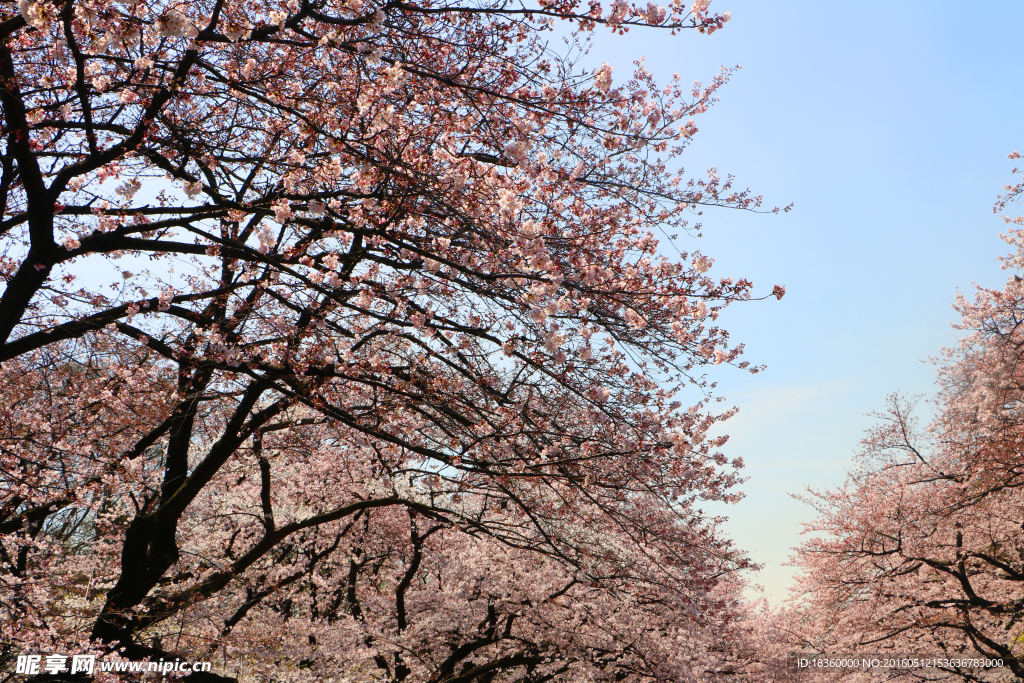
(335, 341)
(924, 550)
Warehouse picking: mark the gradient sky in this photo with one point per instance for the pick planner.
(888, 127)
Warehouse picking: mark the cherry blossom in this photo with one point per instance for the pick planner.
(337, 340)
(921, 548)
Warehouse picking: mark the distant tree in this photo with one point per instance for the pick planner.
(924, 545)
(335, 339)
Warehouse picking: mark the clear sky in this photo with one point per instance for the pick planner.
(888, 126)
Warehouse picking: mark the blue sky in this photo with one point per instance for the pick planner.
(887, 125)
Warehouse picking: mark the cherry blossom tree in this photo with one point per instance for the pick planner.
(923, 548)
(335, 341)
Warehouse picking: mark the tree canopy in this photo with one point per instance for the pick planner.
(336, 340)
(922, 548)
